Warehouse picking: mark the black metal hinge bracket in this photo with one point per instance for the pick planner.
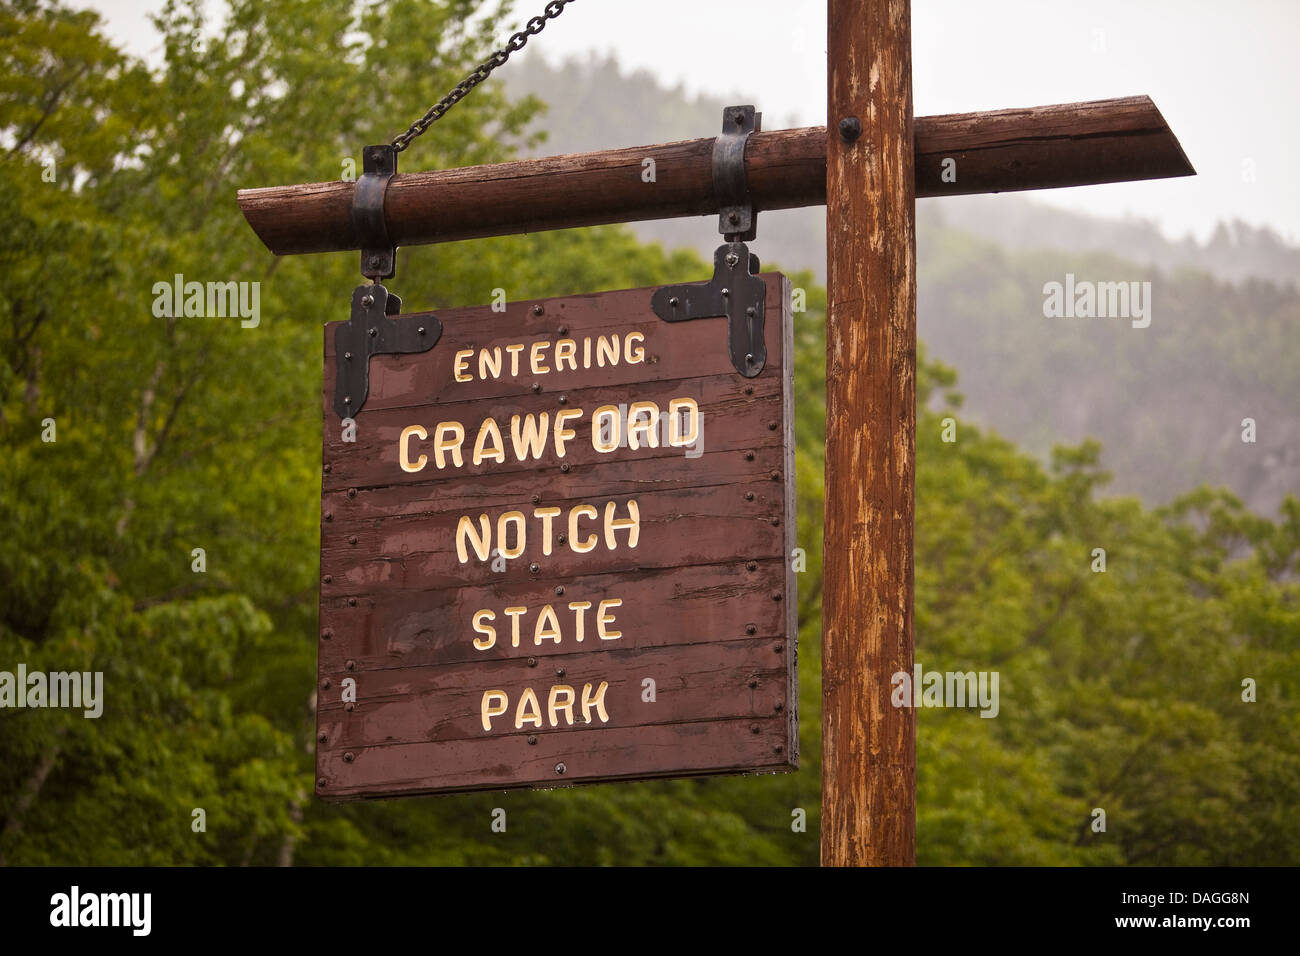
(735, 291)
(378, 254)
(737, 220)
(371, 331)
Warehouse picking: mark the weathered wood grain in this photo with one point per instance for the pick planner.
(1042, 147)
(419, 627)
(869, 746)
(696, 682)
(587, 756)
(708, 594)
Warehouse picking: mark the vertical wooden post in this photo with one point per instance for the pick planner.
(869, 746)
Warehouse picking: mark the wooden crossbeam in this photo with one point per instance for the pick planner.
(1042, 147)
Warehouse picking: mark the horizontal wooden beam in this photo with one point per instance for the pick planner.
(1043, 147)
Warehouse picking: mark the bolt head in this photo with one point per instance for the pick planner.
(560, 768)
(673, 301)
(368, 300)
(532, 662)
(534, 567)
(532, 739)
(850, 128)
(537, 309)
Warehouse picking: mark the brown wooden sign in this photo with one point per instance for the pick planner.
(558, 550)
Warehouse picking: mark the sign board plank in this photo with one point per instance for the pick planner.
(557, 550)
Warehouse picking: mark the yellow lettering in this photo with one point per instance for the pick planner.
(514, 351)
(462, 365)
(561, 699)
(602, 619)
(581, 547)
(579, 618)
(546, 514)
(547, 627)
(515, 518)
(632, 523)
(562, 434)
(566, 351)
(482, 541)
(486, 629)
(633, 355)
(497, 452)
(515, 613)
(597, 700)
(605, 437)
(607, 349)
(493, 705)
(489, 362)
(529, 710)
(403, 448)
(449, 437)
(677, 437)
(532, 438)
(649, 426)
(535, 357)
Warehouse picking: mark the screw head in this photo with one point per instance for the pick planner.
(321, 783)
(373, 331)
(352, 492)
(559, 672)
(328, 468)
(750, 629)
(562, 537)
(348, 356)
(537, 499)
(563, 330)
(733, 218)
(532, 739)
(726, 293)
(560, 768)
(352, 602)
(673, 301)
(327, 633)
(776, 595)
(534, 567)
(753, 729)
(749, 456)
(326, 684)
(349, 707)
(537, 387)
(537, 309)
(368, 300)
(564, 400)
(352, 539)
(323, 738)
(350, 664)
(751, 566)
(349, 757)
(420, 330)
(328, 579)
(750, 311)
(565, 468)
(753, 684)
(559, 589)
(532, 662)
(776, 476)
(329, 516)
(749, 496)
(850, 129)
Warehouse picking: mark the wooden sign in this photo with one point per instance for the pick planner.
(558, 550)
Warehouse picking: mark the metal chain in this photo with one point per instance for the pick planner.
(480, 73)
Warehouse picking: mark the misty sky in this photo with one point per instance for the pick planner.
(1224, 74)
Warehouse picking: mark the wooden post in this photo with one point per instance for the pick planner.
(869, 746)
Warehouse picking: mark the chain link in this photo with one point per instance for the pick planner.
(480, 73)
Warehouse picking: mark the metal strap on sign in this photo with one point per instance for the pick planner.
(378, 254)
(735, 291)
(375, 328)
